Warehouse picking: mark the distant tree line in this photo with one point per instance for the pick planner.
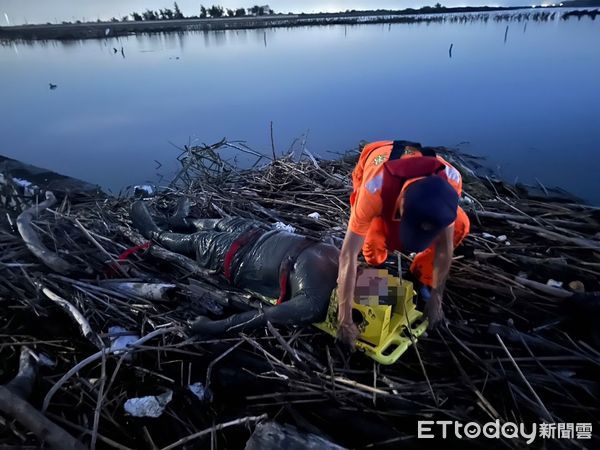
(214, 12)
(437, 8)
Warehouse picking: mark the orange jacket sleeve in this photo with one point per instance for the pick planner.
(367, 178)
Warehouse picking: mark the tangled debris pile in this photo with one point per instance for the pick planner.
(94, 320)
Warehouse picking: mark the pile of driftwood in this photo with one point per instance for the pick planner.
(94, 349)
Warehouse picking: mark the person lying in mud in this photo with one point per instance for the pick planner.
(297, 271)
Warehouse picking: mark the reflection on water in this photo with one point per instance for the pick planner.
(531, 104)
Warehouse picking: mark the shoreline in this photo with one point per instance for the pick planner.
(33, 179)
(97, 30)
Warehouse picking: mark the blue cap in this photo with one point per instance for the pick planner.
(429, 207)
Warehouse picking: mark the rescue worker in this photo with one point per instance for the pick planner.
(297, 271)
(404, 198)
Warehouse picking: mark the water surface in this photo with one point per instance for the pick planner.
(530, 104)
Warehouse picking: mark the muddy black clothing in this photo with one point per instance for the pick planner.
(256, 266)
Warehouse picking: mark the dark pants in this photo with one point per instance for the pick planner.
(257, 268)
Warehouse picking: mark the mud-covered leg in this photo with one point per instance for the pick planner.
(179, 221)
(143, 221)
(182, 222)
(184, 244)
(297, 311)
(175, 242)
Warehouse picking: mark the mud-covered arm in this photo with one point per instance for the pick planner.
(348, 264)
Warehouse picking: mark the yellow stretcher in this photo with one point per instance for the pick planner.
(386, 330)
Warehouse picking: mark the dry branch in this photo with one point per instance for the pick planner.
(33, 241)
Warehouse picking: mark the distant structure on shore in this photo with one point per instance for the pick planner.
(217, 18)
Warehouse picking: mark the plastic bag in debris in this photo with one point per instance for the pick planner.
(28, 187)
(143, 191)
(464, 201)
(554, 283)
(315, 215)
(121, 339)
(45, 360)
(502, 238)
(22, 182)
(284, 227)
(149, 406)
(198, 390)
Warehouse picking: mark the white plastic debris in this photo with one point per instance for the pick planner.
(466, 200)
(119, 344)
(284, 227)
(149, 406)
(28, 187)
(198, 390)
(21, 182)
(315, 215)
(143, 189)
(45, 361)
(146, 187)
(501, 238)
(554, 283)
(488, 236)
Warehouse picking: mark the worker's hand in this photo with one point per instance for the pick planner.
(347, 334)
(434, 310)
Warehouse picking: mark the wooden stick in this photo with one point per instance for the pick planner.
(218, 427)
(285, 345)
(549, 290)
(273, 143)
(84, 325)
(99, 402)
(99, 247)
(585, 243)
(547, 414)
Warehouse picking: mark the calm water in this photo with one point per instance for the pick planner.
(530, 104)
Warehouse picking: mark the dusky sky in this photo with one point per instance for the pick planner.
(42, 11)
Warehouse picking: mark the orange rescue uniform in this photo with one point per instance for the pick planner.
(367, 208)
